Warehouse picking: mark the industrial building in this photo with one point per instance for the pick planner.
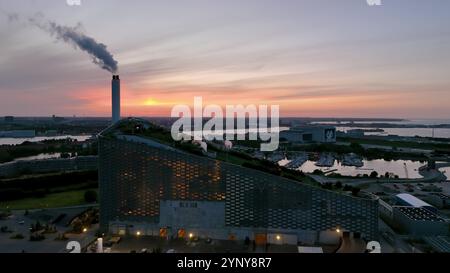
(404, 199)
(420, 221)
(151, 188)
(414, 216)
(310, 134)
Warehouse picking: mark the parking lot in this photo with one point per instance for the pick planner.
(19, 224)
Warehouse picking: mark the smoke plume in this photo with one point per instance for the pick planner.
(74, 35)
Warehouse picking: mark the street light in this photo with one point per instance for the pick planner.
(278, 237)
(85, 230)
(138, 233)
(338, 230)
(191, 235)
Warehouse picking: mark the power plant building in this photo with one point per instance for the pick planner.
(151, 188)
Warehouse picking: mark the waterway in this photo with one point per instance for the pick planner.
(18, 141)
(405, 132)
(39, 157)
(402, 168)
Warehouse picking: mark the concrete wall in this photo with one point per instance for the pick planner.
(386, 210)
(329, 237)
(282, 239)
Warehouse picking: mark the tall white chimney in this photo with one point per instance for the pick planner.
(115, 98)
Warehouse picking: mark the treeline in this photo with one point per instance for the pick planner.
(82, 127)
(9, 153)
(40, 186)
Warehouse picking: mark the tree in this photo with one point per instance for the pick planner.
(347, 188)
(247, 241)
(356, 148)
(373, 174)
(338, 185)
(317, 172)
(355, 191)
(90, 196)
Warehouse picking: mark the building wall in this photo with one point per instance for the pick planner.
(193, 214)
(135, 178)
(292, 136)
(415, 227)
(319, 134)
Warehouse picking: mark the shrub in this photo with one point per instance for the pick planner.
(355, 191)
(90, 196)
(18, 236)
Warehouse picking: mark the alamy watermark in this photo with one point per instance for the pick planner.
(73, 2)
(369, 2)
(374, 2)
(190, 125)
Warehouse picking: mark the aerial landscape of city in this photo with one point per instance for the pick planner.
(244, 127)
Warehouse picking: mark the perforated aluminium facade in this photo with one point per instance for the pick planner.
(136, 175)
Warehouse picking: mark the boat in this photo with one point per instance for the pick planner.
(297, 162)
(276, 157)
(325, 160)
(352, 160)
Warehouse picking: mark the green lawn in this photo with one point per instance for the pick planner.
(54, 200)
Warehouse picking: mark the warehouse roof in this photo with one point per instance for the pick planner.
(413, 201)
(420, 214)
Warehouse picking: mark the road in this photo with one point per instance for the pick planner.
(352, 245)
(398, 244)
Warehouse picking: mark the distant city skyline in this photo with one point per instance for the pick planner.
(316, 58)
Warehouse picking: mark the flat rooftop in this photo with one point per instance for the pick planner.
(420, 214)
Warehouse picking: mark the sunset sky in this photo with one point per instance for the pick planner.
(315, 58)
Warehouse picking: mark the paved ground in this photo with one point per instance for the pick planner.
(20, 224)
(137, 244)
(395, 242)
(352, 245)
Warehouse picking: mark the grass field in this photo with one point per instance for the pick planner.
(54, 200)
